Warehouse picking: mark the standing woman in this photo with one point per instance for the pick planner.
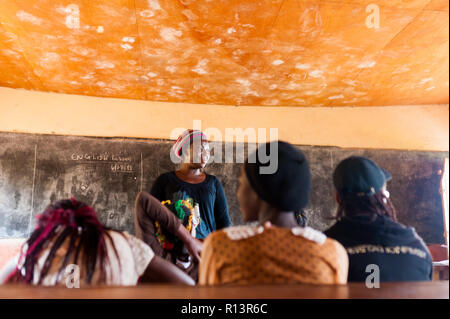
(192, 148)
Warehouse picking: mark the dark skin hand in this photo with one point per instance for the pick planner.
(160, 270)
(193, 245)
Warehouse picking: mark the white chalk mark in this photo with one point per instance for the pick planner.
(87, 76)
(426, 80)
(311, 93)
(301, 66)
(147, 13)
(277, 62)
(73, 17)
(177, 88)
(402, 69)
(244, 82)
(200, 67)
(218, 41)
(293, 86)
(83, 51)
(152, 74)
(189, 14)
(170, 34)
(49, 60)
(128, 39)
(100, 29)
(32, 191)
(311, 21)
(28, 17)
(154, 4)
(367, 64)
(126, 46)
(335, 97)
(231, 30)
(316, 74)
(350, 82)
(104, 65)
(171, 68)
(11, 53)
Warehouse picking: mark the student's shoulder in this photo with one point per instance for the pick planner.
(164, 177)
(168, 174)
(336, 246)
(310, 234)
(213, 179)
(335, 230)
(124, 241)
(234, 234)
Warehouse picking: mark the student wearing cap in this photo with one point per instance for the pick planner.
(277, 249)
(367, 226)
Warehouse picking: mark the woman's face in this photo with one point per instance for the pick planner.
(248, 199)
(198, 155)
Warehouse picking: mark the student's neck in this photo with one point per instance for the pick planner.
(186, 170)
(278, 218)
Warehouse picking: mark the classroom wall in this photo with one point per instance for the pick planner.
(420, 127)
(108, 173)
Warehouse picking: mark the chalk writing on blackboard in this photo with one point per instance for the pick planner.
(89, 157)
(118, 163)
(105, 157)
(122, 167)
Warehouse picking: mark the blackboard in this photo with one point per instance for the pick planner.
(107, 173)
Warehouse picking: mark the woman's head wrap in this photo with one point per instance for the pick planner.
(289, 187)
(186, 138)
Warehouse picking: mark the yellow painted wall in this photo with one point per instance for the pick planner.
(424, 127)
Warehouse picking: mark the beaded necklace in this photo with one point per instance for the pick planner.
(183, 207)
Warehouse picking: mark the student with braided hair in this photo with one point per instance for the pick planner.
(367, 226)
(69, 233)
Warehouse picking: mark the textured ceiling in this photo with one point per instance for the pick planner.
(236, 52)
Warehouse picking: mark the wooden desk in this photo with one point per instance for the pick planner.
(426, 290)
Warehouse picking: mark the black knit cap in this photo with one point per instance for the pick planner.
(288, 188)
(358, 176)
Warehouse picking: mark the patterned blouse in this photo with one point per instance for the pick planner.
(274, 255)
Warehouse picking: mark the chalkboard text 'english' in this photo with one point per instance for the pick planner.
(100, 157)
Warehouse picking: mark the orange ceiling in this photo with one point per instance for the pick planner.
(236, 52)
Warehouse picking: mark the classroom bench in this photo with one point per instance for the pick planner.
(404, 290)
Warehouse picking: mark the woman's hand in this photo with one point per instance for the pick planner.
(193, 245)
(160, 270)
